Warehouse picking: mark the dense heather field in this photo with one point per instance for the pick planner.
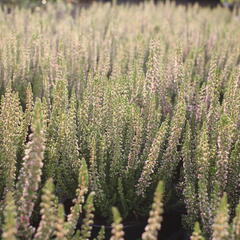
(112, 103)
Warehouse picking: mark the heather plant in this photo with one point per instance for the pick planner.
(128, 96)
(19, 205)
(11, 125)
(221, 227)
(30, 174)
(53, 223)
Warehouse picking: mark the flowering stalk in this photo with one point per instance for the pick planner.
(10, 214)
(197, 233)
(11, 129)
(76, 209)
(155, 218)
(220, 225)
(203, 175)
(117, 227)
(233, 189)
(60, 231)
(85, 232)
(224, 146)
(101, 234)
(29, 106)
(48, 213)
(30, 174)
(171, 158)
(145, 179)
(236, 224)
(189, 191)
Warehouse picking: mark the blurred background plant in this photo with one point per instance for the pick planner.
(233, 5)
(37, 3)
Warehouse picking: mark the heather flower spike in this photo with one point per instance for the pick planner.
(48, 213)
(117, 227)
(60, 231)
(85, 232)
(197, 235)
(220, 225)
(155, 216)
(236, 224)
(101, 234)
(11, 131)
(30, 174)
(76, 209)
(10, 221)
(203, 156)
(145, 179)
(29, 106)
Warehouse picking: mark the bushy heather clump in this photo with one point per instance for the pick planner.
(221, 228)
(19, 202)
(128, 96)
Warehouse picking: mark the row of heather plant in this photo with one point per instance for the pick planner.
(134, 94)
(20, 198)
